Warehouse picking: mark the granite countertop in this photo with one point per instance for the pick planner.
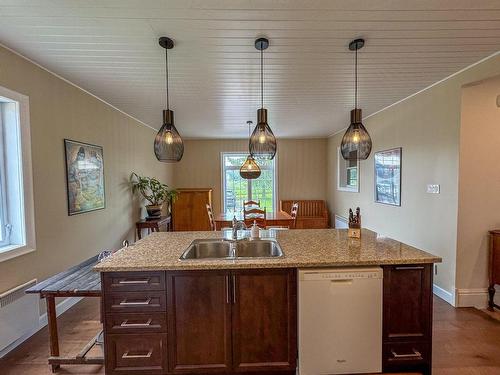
(302, 248)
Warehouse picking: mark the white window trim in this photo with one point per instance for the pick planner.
(345, 188)
(12, 251)
(276, 207)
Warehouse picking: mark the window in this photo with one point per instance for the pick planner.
(235, 189)
(16, 199)
(347, 173)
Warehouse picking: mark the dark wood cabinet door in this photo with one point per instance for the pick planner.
(264, 320)
(199, 321)
(408, 303)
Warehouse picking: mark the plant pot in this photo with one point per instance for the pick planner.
(154, 211)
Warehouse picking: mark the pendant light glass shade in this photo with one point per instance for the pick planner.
(356, 143)
(262, 143)
(168, 145)
(168, 142)
(250, 170)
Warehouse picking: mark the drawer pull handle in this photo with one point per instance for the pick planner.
(415, 354)
(129, 356)
(134, 282)
(137, 325)
(410, 268)
(139, 303)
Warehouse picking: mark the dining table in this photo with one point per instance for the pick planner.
(278, 218)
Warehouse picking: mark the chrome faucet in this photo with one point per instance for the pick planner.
(237, 225)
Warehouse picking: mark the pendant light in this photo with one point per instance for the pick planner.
(262, 143)
(168, 142)
(250, 169)
(356, 143)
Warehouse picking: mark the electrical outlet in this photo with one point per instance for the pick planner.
(433, 188)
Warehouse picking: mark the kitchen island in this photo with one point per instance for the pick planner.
(167, 316)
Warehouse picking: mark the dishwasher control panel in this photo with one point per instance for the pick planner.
(341, 274)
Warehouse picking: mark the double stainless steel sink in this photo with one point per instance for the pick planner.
(227, 249)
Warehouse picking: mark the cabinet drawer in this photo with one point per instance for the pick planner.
(405, 355)
(136, 323)
(133, 281)
(136, 354)
(135, 302)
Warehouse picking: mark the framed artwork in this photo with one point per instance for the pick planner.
(388, 176)
(84, 177)
(347, 174)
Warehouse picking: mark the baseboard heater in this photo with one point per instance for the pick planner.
(19, 314)
(340, 222)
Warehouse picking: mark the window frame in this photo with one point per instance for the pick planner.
(4, 241)
(223, 178)
(351, 189)
(27, 229)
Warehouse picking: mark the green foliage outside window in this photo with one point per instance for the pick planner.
(237, 189)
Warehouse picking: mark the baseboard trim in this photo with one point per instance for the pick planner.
(444, 294)
(477, 297)
(61, 308)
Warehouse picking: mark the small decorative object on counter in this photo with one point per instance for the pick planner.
(255, 231)
(354, 230)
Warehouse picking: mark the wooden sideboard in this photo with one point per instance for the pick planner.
(494, 266)
(189, 211)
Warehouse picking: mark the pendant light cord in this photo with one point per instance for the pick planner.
(166, 75)
(356, 79)
(261, 78)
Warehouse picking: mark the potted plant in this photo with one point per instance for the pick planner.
(155, 192)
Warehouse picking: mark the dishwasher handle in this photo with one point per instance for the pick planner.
(342, 281)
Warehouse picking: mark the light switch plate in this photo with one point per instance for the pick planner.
(433, 188)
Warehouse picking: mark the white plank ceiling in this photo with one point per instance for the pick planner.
(110, 48)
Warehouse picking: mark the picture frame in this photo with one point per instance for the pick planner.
(387, 174)
(85, 185)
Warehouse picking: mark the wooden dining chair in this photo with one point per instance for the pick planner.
(293, 214)
(211, 217)
(251, 204)
(257, 215)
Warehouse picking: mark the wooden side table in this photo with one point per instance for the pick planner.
(153, 225)
(494, 266)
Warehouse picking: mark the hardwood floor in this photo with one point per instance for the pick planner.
(466, 342)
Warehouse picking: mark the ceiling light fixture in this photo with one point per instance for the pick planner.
(168, 142)
(250, 169)
(356, 143)
(262, 143)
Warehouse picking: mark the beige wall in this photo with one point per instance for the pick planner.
(59, 110)
(479, 182)
(427, 127)
(301, 167)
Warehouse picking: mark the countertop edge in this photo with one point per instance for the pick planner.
(192, 266)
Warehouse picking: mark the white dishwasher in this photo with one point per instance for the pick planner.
(340, 321)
